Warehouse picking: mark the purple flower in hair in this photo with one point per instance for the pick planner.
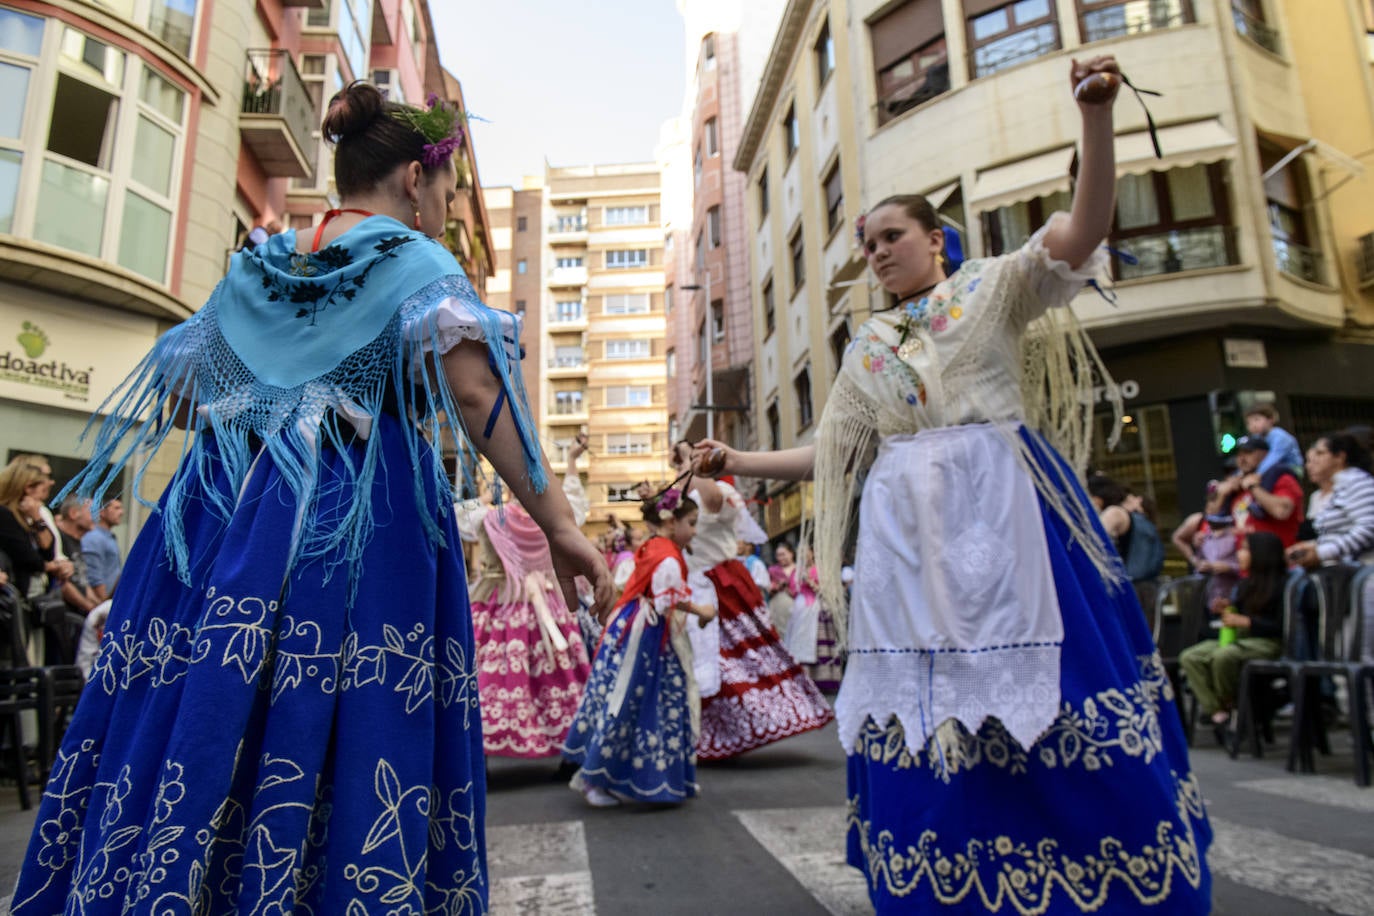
(432, 99)
(669, 500)
(436, 154)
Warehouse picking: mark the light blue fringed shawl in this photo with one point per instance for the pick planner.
(294, 353)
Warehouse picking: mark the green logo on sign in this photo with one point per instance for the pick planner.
(33, 340)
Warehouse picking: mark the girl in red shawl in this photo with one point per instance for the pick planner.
(634, 736)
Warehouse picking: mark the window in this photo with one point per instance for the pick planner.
(355, 33)
(566, 403)
(568, 262)
(61, 181)
(1287, 197)
(712, 141)
(770, 319)
(774, 427)
(1008, 228)
(791, 132)
(628, 304)
(629, 396)
(389, 82)
(521, 266)
(1250, 23)
(763, 194)
(1103, 19)
(521, 223)
(626, 216)
(718, 320)
(316, 72)
(570, 222)
(839, 343)
(668, 300)
(825, 55)
(801, 387)
(708, 52)
(1003, 35)
(670, 363)
(702, 342)
(627, 349)
(318, 18)
(796, 246)
(567, 310)
(696, 169)
(701, 252)
(833, 187)
(629, 257)
(629, 443)
(622, 493)
(713, 226)
(909, 57)
(520, 308)
(568, 357)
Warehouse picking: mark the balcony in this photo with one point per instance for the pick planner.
(568, 276)
(1299, 261)
(1178, 250)
(567, 319)
(567, 366)
(568, 229)
(1256, 29)
(1132, 17)
(277, 120)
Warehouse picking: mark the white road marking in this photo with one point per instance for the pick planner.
(1332, 879)
(810, 844)
(540, 870)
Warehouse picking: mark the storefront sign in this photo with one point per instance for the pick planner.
(64, 354)
(1128, 390)
(1244, 354)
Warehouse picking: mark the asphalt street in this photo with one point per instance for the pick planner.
(766, 837)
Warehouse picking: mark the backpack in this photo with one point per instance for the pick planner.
(1144, 556)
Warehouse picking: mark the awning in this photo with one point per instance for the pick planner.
(938, 197)
(1296, 146)
(1194, 143)
(1025, 179)
(1183, 145)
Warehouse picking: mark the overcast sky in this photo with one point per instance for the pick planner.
(579, 82)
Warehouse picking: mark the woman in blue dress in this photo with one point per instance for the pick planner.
(634, 736)
(284, 716)
(1013, 744)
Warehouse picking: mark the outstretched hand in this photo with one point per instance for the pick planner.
(706, 447)
(1102, 89)
(574, 555)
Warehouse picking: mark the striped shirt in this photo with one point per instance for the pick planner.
(1345, 523)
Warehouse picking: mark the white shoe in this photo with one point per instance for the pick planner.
(600, 798)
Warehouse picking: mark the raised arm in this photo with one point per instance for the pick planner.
(476, 389)
(788, 464)
(1094, 199)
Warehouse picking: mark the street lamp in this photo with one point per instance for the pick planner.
(710, 345)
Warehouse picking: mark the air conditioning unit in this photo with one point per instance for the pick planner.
(1366, 259)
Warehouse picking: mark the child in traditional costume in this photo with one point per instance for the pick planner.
(811, 636)
(633, 737)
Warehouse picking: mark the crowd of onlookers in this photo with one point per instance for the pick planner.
(57, 570)
(1257, 525)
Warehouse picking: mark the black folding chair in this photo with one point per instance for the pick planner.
(1362, 687)
(1340, 630)
(60, 688)
(1248, 722)
(1176, 632)
(19, 693)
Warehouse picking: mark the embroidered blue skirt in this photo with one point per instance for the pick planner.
(254, 743)
(644, 750)
(1102, 814)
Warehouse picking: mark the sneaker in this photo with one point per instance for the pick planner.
(600, 798)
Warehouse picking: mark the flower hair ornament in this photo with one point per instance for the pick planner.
(441, 124)
(666, 501)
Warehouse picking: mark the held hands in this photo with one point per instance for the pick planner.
(1095, 82)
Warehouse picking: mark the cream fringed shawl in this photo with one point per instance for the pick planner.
(997, 343)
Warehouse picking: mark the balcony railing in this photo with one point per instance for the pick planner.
(1255, 29)
(568, 224)
(1016, 48)
(1134, 16)
(567, 316)
(568, 408)
(568, 276)
(1299, 261)
(1178, 250)
(278, 117)
(567, 362)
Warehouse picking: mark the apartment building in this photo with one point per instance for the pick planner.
(603, 336)
(1251, 235)
(517, 234)
(147, 138)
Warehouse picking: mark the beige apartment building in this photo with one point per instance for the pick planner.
(602, 342)
(1252, 237)
(516, 285)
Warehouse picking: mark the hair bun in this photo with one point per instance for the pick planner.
(352, 110)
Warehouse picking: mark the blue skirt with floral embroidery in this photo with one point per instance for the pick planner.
(645, 750)
(256, 743)
(1102, 814)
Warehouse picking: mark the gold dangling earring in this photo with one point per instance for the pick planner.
(417, 220)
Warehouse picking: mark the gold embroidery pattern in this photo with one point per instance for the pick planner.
(1113, 723)
(1010, 876)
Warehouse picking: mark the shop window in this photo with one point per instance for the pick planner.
(1144, 458)
(1100, 20)
(1288, 198)
(1002, 35)
(909, 57)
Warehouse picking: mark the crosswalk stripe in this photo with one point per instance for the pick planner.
(810, 844)
(1321, 790)
(540, 870)
(1296, 869)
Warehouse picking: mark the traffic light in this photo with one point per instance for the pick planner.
(1228, 420)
